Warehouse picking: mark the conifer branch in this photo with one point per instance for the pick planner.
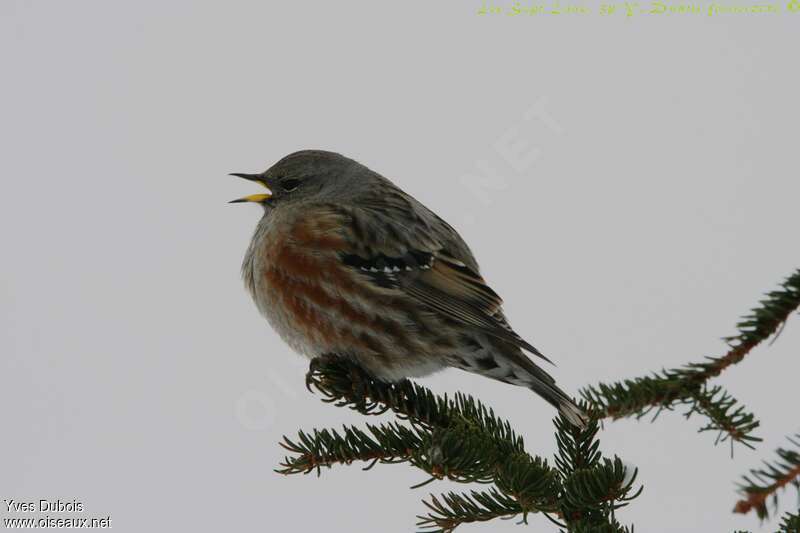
(390, 443)
(585, 492)
(455, 438)
(344, 383)
(460, 439)
(593, 487)
(763, 484)
(687, 385)
(757, 326)
(450, 510)
(790, 523)
(726, 417)
(473, 437)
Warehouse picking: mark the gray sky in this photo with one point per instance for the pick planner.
(629, 185)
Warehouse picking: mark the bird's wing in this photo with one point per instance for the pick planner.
(416, 252)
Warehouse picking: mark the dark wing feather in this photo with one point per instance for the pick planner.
(451, 289)
(426, 259)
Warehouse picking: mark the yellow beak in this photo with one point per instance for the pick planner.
(257, 198)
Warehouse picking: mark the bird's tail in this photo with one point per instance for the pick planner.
(576, 416)
(510, 365)
(559, 399)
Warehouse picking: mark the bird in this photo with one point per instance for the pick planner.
(345, 262)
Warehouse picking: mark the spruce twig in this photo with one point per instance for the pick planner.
(763, 484)
(594, 487)
(389, 443)
(790, 523)
(726, 417)
(460, 439)
(687, 385)
(450, 510)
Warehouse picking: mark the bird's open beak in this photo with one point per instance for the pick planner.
(258, 198)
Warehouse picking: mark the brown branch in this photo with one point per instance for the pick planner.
(720, 418)
(309, 458)
(758, 500)
(662, 390)
(762, 323)
(734, 355)
(306, 462)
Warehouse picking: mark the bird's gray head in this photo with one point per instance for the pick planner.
(305, 175)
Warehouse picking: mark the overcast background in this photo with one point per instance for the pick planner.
(629, 185)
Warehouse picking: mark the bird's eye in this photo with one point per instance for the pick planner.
(290, 184)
